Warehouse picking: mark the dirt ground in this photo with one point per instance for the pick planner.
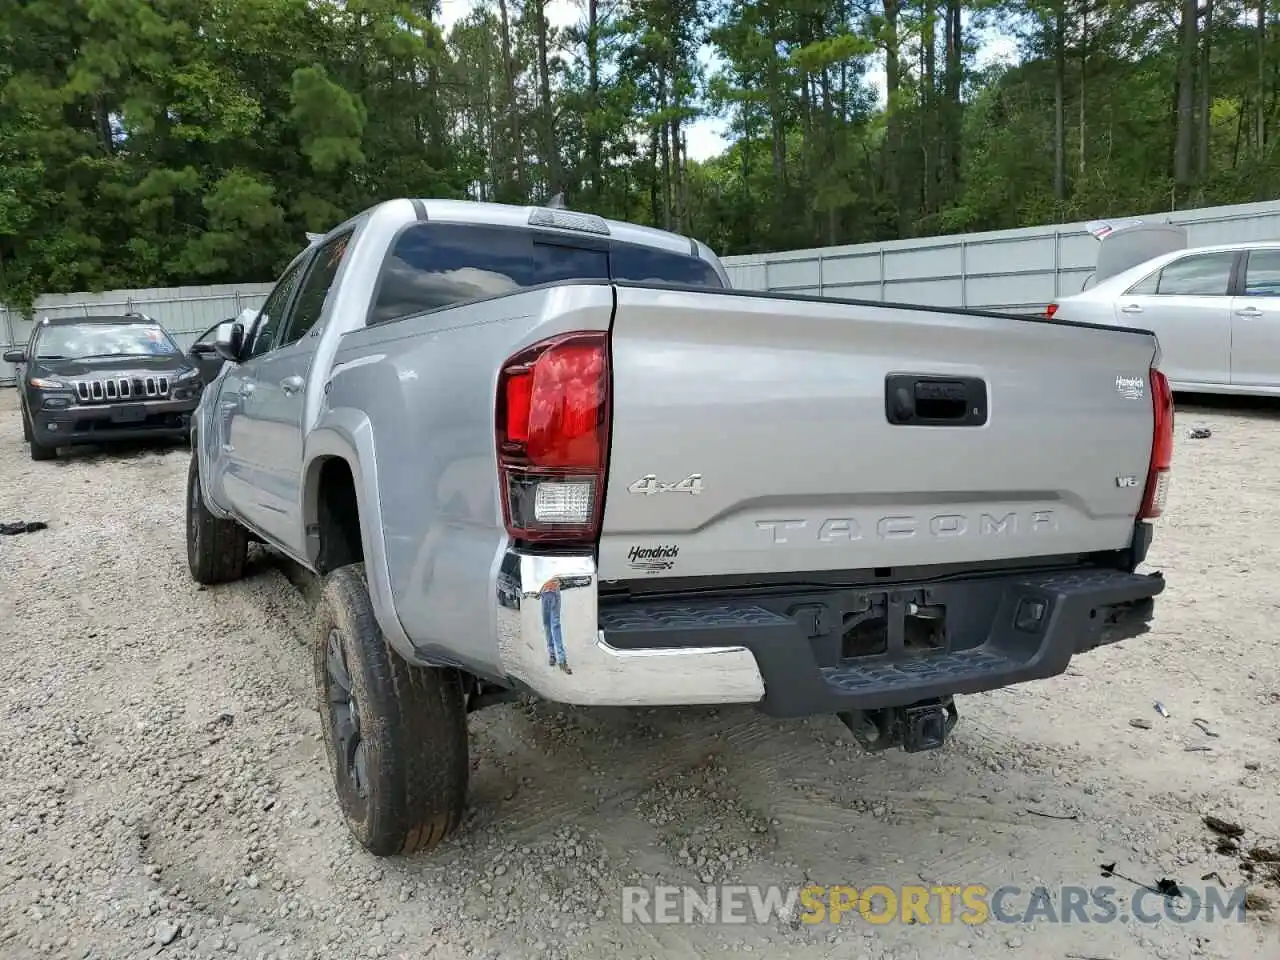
(163, 788)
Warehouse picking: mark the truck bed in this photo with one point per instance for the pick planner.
(762, 435)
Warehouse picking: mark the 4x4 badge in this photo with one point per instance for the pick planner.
(649, 485)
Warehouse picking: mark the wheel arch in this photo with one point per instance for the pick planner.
(343, 442)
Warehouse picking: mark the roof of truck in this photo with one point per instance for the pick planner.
(505, 213)
(519, 216)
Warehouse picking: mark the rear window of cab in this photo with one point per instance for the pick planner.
(437, 265)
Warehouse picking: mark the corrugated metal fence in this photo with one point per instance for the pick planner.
(1008, 270)
(186, 312)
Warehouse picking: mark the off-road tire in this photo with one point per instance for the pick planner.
(412, 723)
(216, 548)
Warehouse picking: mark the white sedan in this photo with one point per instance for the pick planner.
(1215, 310)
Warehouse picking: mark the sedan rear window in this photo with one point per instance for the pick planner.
(435, 265)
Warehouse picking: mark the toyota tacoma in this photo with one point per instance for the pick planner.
(530, 450)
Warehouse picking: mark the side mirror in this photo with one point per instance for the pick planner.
(228, 341)
(204, 348)
(15, 356)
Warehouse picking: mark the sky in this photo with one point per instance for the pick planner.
(706, 138)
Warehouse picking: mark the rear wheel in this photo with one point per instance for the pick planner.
(216, 548)
(396, 734)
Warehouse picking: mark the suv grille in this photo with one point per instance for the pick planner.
(122, 388)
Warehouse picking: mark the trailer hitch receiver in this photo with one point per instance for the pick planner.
(924, 725)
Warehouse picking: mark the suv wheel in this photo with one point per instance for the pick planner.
(38, 450)
(396, 734)
(216, 548)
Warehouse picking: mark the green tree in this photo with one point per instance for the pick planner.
(179, 141)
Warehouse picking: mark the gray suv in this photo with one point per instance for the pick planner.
(85, 380)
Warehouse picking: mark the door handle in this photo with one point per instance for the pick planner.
(1131, 308)
(1248, 312)
(291, 385)
(911, 400)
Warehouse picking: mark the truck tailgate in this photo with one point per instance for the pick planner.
(754, 435)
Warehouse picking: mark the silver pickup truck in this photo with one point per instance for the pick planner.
(534, 451)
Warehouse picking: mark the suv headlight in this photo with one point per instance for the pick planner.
(187, 386)
(40, 383)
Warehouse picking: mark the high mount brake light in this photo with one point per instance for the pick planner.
(552, 416)
(1160, 471)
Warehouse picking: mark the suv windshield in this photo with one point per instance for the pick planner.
(434, 265)
(80, 341)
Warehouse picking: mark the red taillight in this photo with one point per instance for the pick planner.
(1158, 474)
(552, 425)
(519, 386)
(1050, 310)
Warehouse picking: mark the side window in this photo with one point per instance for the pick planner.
(1203, 275)
(434, 265)
(640, 264)
(1146, 286)
(1262, 275)
(268, 325)
(315, 288)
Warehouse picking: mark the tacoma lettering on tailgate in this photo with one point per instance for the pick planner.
(903, 526)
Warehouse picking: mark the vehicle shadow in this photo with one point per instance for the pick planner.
(117, 450)
(1201, 403)
(698, 795)
(264, 559)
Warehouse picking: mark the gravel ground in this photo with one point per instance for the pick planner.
(163, 788)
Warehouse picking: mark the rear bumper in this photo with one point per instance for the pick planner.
(105, 422)
(791, 652)
(556, 647)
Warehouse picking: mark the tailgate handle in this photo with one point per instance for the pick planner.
(925, 401)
